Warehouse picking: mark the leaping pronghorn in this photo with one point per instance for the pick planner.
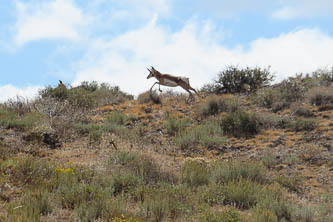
(170, 80)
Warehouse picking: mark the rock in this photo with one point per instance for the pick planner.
(51, 140)
(148, 110)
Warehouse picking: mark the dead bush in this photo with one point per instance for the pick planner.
(320, 96)
(147, 97)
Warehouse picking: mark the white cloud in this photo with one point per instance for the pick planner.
(281, 9)
(226, 8)
(124, 15)
(11, 92)
(194, 51)
(56, 19)
(299, 51)
(303, 8)
(285, 13)
(149, 7)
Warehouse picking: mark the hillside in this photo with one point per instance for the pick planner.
(93, 153)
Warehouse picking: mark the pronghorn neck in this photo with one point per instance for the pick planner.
(158, 75)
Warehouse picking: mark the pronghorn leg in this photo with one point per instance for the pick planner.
(159, 87)
(195, 91)
(153, 85)
(190, 96)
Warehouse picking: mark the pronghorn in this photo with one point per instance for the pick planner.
(172, 81)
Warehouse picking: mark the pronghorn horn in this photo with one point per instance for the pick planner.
(148, 70)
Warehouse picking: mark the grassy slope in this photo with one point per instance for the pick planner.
(158, 171)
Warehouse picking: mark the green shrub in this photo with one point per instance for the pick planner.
(208, 88)
(117, 118)
(269, 160)
(186, 141)
(11, 120)
(282, 95)
(324, 77)
(241, 193)
(320, 96)
(33, 171)
(194, 173)
(280, 105)
(123, 157)
(309, 152)
(208, 134)
(303, 124)
(19, 105)
(103, 207)
(72, 192)
(38, 201)
(158, 207)
(215, 105)
(263, 215)
(89, 86)
(142, 166)
(175, 126)
(269, 121)
(265, 97)
(232, 105)
(90, 211)
(231, 215)
(122, 131)
(291, 90)
(115, 123)
(85, 96)
(68, 193)
(212, 194)
(94, 131)
(234, 80)
(6, 152)
(306, 214)
(303, 112)
(61, 92)
(211, 142)
(291, 183)
(273, 199)
(211, 107)
(23, 212)
(240, 124)
(123, 183)
(168, 201)
(147, 169)
(224, 172)
(291, 160)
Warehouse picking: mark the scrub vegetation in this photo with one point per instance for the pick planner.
(249, 150)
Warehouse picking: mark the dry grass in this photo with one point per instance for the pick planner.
(320, 96)
(124, 161)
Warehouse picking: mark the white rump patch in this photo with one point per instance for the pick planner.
(168, 82)
(185, 79)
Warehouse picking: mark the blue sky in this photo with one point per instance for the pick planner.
(42, 41)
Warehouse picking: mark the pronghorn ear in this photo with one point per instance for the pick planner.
(152, 68)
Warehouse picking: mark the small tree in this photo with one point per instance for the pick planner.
(235, 80)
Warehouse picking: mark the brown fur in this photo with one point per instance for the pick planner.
(178, 80)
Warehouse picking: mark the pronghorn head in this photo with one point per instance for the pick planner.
(152, 72)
